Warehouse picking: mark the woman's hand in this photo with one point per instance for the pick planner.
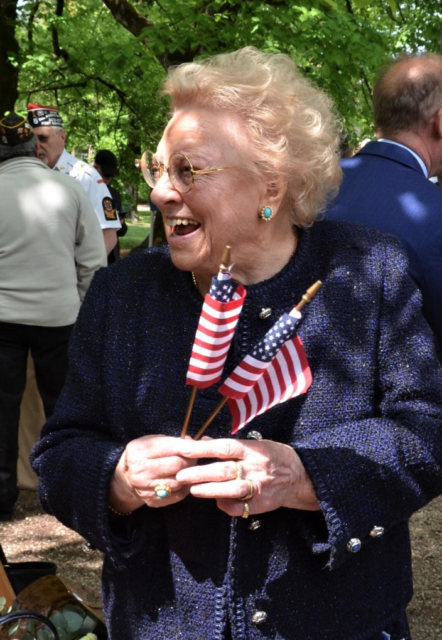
(146, 463)
(278, 476)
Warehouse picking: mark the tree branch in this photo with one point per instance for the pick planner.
(120, 93)
(58, 52)
(128, 17)
(51, 87)
(367, 84)
(391, 15)
(30, 26)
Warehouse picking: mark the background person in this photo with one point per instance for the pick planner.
(50, 247)
(106, 165)
(48, 128)
(249, 158)
(386, 184)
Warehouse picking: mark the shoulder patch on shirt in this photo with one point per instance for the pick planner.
(109, 209)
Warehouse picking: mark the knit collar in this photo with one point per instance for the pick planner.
(295, 266)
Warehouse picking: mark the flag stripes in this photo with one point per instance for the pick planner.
(287, 376)
(252, 367)
(219, 316)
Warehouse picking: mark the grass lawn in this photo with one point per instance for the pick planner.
(137, 231)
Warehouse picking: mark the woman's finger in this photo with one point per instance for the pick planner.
(215, 472)
(176, 496)
(145, 489)
(156, 446)
(235, 490)
(157, 468)
(235, 508)
(223, 448)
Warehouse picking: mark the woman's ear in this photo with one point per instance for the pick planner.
(275, 192)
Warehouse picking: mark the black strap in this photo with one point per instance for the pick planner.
(29, 615)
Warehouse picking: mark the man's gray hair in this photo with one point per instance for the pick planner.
(24, 150)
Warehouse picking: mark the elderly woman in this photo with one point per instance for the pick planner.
(249, 158)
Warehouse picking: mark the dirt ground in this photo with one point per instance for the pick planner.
(33, 535)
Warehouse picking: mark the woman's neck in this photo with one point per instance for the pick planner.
(263, 262)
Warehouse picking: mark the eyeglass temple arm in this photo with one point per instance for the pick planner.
(200, 172)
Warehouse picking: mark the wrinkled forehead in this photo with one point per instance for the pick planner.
(203, 130)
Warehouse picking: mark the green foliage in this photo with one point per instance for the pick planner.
(105, 79)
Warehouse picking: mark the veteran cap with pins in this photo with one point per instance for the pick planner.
(43, 116)
(14, 130)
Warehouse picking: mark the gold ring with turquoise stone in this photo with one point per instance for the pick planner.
(162, 490)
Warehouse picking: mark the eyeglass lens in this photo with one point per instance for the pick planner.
(180, 171)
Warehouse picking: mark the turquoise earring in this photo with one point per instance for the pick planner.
(266, 213)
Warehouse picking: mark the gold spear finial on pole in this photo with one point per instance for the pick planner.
(306, 298)
(225, 260)
(309, 294)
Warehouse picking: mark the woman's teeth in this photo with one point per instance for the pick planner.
(175, 223)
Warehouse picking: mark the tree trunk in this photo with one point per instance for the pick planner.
(133, 191)
(8, 46)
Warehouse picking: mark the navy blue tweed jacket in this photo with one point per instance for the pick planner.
(368, 432)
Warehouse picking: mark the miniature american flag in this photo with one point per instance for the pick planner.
(274, 371)
(219, 316)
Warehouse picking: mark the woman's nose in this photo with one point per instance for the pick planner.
(164, 191)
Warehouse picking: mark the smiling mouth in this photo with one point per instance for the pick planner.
(182, 226)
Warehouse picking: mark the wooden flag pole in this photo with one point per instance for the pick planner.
(189, 412)
(306, 298)
(224, 266)
(212, 417)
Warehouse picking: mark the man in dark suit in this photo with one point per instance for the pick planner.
(386, 184)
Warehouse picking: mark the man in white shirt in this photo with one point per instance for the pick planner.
(51, 245)
(48, 129)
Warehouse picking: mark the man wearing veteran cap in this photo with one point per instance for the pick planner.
(50, 247)
(50, 134)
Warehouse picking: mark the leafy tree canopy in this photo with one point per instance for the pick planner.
(102, 61)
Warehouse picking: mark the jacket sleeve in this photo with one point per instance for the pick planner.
(77, 454)
(90, 253)
(376, 471)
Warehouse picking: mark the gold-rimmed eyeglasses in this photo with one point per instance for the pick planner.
(180, 171)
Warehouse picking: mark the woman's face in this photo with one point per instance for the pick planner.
(222, 207)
